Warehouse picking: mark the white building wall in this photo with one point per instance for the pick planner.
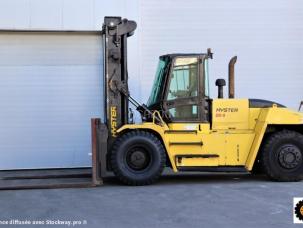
(77, 15)
(58, 14)
(267, 36)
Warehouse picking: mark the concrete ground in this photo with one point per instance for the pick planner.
(191, 200)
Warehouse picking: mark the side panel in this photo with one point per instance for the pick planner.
(260, 131)
(238, 145)
(195, 147)
(226, 148)
(230, 114)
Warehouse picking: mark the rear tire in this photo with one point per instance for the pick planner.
(257, 169)
(138, 158)
(282, 156)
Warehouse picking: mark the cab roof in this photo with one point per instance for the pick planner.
(181, 54)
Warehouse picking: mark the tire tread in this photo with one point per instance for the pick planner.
(118, 173)
(265, 155)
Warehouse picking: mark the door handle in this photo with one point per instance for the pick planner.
(169, 103)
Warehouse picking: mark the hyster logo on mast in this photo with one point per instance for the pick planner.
(113, 120)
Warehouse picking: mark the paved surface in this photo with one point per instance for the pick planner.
(193, 200)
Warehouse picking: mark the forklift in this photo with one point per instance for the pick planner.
(183, 127)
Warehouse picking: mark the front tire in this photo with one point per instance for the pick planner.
(138, 158)
(282, 156)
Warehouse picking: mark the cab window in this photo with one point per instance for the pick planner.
(182, 95)
(184, 112)
(184, 79)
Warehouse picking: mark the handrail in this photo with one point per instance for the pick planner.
(157, 116)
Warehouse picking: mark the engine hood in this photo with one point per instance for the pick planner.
(259, 103)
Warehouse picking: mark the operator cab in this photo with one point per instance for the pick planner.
(181, 88)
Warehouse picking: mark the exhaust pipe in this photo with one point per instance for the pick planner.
(231, 77)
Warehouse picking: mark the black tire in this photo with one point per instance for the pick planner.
(282, 156)
(257, 169)
(138, 158)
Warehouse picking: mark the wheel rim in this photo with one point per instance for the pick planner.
(290, 156)
(138, 158)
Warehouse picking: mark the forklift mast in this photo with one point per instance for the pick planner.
(115, 33)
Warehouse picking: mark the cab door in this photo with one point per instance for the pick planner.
(189, 140)
(185, 90)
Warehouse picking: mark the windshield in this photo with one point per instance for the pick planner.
(158, 82)
(206, 78)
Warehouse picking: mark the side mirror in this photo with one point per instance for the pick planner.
(209, 53)
(220, 83)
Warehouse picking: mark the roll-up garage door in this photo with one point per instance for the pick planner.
(50, 87)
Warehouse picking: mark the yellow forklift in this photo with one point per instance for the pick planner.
(183, 127)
